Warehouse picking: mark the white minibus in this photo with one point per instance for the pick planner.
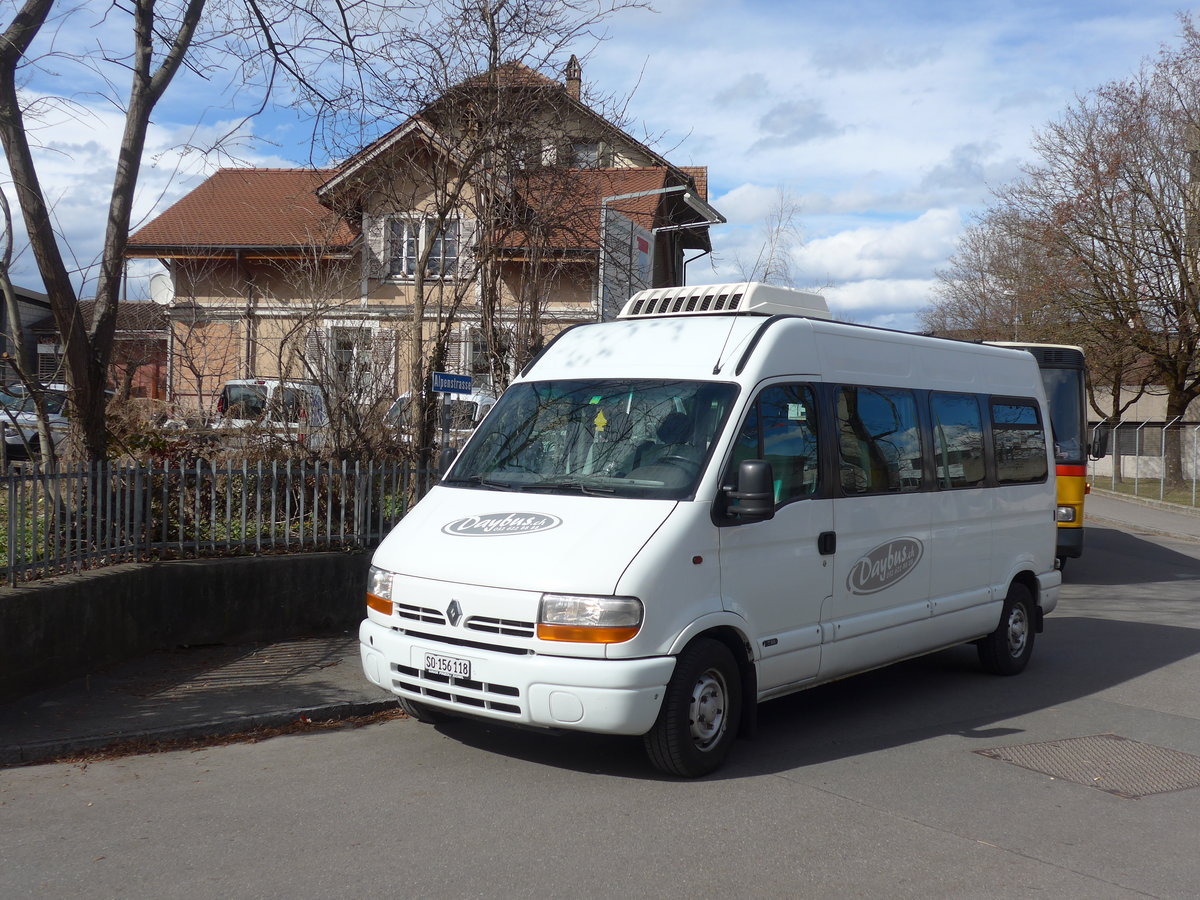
(719, 498)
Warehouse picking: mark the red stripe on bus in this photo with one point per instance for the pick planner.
(1076, 471)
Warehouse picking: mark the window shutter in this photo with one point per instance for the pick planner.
(383, 363)
(375, 245)
(468, 233)
(454, 352)
(315, 343)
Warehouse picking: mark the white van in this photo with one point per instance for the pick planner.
(719, 499)
(270, 408)
(464, 412)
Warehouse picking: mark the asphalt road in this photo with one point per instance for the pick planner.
(871, 787)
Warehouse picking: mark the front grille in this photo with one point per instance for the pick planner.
(501, 626)
(462, 642)
(420, 614)
(465, 692)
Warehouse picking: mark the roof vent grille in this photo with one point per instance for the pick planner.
(750, 298)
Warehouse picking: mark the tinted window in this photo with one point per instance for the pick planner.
(957, 440)
(1020, 442)
(879, 440)
(781, 428)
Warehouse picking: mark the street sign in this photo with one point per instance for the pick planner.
(445, 383)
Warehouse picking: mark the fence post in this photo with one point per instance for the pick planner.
(1162, 459)
(12, 521)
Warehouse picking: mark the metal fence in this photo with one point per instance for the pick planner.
(1155, 460)
(72, 519)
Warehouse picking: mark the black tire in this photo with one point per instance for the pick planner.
(422, 712)
(700, 714)
(1006, 651)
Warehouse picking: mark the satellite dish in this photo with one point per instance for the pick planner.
(162, 290)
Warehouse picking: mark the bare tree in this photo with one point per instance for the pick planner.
(780, 236)
(485, 115)
(255, 43)
(1106, 227)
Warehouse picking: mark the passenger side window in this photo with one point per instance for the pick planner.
(957, 440)
(1020, 442)
(781, 428)
(879, 440)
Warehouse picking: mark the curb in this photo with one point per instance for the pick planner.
(1144, 527)
(1147, 502)
(55, 748)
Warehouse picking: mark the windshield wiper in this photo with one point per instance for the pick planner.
(576, 484)
(487, 482)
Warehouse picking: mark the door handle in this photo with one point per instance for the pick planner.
(827, 543)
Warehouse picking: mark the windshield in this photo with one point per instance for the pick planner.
(1064, 395)
(609, 437)
(24, 404)
(464, 414)
(244, 401)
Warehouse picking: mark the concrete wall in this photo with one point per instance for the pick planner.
(65, 627)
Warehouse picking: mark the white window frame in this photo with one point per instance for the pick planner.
(404, 247)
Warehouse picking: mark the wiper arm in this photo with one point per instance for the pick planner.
(570, 484)
(487, 482)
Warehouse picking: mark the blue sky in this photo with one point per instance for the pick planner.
(887, 122)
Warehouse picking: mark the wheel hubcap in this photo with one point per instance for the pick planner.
(1018, 631)
(707, 709)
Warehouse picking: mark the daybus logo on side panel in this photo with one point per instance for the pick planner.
(884, 566)
(501, 523)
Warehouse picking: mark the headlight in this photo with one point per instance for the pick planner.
(379, 590)
(1065, 514)
(593, 620)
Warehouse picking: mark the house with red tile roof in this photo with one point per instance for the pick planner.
(460, 240)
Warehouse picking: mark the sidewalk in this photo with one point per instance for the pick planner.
(213, 691)
(1147, 516)
(192, 693)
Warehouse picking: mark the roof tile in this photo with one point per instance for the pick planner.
(249, 208)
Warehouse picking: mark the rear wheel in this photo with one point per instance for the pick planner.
(698, 722)
(422, 712)
(1006, 651)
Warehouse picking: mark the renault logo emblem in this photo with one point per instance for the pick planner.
(454, 612)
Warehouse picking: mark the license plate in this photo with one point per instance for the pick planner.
(447, 666)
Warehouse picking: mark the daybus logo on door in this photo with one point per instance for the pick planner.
(884, 566)
(494, 524)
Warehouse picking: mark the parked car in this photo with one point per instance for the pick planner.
(18, 416)
(465, 411)
(287, 410)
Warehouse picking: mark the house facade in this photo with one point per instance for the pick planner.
(462, 239)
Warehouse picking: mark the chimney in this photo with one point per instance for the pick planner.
(574, 75)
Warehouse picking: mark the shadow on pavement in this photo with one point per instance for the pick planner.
(940, 694)
(1112, 557)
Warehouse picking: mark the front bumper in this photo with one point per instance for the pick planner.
(607, 696)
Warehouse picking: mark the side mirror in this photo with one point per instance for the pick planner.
(1098, 448)
(753, 498)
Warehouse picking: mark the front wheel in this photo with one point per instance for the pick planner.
(1006, 650)
(701, 710)
(422, 712)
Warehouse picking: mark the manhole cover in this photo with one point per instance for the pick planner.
(1107, 761)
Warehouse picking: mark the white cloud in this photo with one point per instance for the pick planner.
(881, 251)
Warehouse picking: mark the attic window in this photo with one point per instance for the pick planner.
(585, 154)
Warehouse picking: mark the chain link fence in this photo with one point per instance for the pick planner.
(1151, 460)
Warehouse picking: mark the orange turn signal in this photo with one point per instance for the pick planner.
(587, 634)
(379, 604)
